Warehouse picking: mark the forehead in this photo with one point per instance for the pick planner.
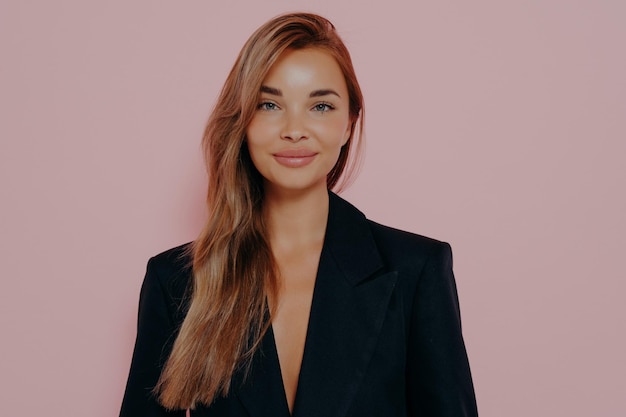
(303, 68)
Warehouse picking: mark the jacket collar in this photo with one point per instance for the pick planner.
(349, 303)
(350, 241)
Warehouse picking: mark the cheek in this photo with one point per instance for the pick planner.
(252, 143)
(339, 131)
(252, 131)
(256, 135)
(347, 132)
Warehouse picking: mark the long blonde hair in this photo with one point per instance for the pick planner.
(233, 267)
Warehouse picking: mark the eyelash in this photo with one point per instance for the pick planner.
(263, 106)
(322, 107)
(327, 106)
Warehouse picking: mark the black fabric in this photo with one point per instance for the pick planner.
(384, 336)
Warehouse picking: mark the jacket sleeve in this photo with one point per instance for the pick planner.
(439, 382)
(156, 331)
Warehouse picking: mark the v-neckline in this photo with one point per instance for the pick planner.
(276, 358)
(274, 347)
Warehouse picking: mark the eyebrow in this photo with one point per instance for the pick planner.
(271, 90)
(317, 93)
(326, 92)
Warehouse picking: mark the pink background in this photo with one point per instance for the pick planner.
(497, 126)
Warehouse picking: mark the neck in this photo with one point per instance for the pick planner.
(296, 218)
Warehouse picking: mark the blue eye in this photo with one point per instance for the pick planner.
(323, 107)
(267, 105)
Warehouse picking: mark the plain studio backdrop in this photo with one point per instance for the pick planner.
(498, 126)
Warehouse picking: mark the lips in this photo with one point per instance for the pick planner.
(295, 158)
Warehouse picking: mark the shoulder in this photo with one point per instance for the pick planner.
(402, 249)
(393, 244)
(171, 272)
(173, 261)
(356, 237)
(400, 239)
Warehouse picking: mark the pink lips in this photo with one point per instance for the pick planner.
(295, 158)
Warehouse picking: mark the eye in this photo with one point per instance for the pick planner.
(323, 107)
(267, 106)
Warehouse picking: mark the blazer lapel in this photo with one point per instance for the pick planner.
(349, 304)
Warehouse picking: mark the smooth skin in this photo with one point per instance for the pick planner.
(301, 123)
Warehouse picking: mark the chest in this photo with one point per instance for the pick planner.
(297, 275)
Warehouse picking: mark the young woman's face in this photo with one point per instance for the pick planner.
(301, 122)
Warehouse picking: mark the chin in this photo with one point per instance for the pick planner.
(296, 186)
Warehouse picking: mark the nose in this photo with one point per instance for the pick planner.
(294, 128)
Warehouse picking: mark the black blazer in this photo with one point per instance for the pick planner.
(384, 335)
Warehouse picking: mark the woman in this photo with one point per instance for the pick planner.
(291, 302)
